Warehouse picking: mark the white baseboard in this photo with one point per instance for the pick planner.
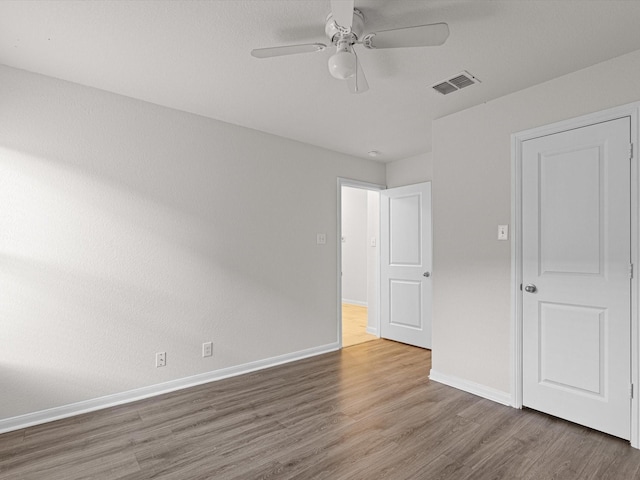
(372, 331)
(355, 302)
(472, 387)
(64, 411)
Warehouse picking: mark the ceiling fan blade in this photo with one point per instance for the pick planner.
(419, 36)
(358, 82)
(287, 50)
(342, 11)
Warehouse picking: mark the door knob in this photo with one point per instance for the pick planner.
(426, 274)
(531, 288)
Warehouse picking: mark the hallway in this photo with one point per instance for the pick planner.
(354, 325)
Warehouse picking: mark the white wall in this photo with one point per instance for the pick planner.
(472, 195)
(408, 171)
(354, 245)
(373, 261)
(127, 229)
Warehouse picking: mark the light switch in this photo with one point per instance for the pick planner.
(321, 238)
(503, 232)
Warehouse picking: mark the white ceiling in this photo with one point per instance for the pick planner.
(195, 56)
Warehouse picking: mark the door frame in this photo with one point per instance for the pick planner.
(631, 110)
(348, 182)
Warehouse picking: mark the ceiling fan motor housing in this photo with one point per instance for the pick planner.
(335, 31)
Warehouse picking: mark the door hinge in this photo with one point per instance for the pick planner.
(631, 390)
(631, 270)
(630, 151)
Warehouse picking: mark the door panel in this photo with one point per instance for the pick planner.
(576, 251)
(405, 256)
(405, 239)
(405, 303)
(570, 225)
(577, 365)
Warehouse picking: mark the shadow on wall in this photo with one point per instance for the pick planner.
(35, 381)
(127, 229)
(96, 277)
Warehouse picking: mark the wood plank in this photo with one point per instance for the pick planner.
(367, 411)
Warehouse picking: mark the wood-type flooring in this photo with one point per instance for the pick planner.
(365, 412)
(354, 325)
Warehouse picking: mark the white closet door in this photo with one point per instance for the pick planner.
(576, 278)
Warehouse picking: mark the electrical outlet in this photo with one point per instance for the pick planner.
(207, 349)
(321, 238)
(161, 359)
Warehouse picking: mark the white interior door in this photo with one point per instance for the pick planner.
(405, 264)
(576, 275)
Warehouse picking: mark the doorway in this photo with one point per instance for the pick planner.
(358, 241)
(358, 261)
(576, 222)
(398, 261)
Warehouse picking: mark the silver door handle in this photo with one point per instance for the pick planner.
(426, 274)
(531, 288)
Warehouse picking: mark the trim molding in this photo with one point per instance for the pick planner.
(471, 387)
(64, 411)
(357, 303)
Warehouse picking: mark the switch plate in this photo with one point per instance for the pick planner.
(321, 238)
(161, 359)
(503, 232)
(207, 349)
(374, 242)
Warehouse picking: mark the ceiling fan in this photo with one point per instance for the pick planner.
(344, 27)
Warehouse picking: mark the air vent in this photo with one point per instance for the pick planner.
(455, 83)
(444, 88)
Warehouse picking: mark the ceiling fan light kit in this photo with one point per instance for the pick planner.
(343, 63)
(344, 27)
